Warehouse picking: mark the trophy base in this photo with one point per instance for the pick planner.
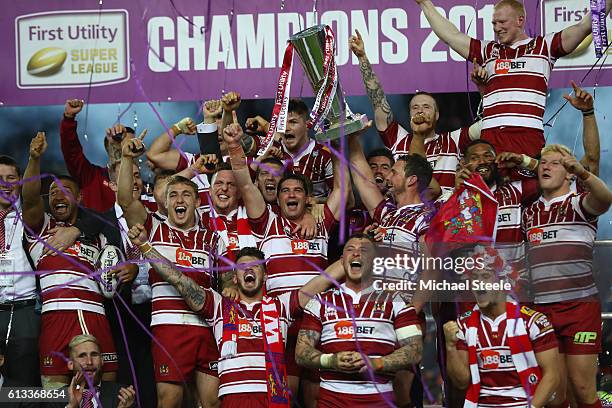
(337, 130)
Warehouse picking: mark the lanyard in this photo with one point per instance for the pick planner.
(9, 239)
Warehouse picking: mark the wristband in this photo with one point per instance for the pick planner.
(377, 364)
(326, 360)
(145, 248)
(588, 112)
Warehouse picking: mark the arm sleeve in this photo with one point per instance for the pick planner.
(555, 45)
(208, 309)
(77, 164)
(389, 136)
(381, 209)
(476, 51)
(541, 333)
(312, 316)
(259, 225)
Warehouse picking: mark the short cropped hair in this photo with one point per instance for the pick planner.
(361, 235)
(80, 339)
(62, 178)
(9, 161)
(267, 161)
(555, 148)
(467, 148)
(426, 94)
(182, 180)
(382, 152)
(306, 183)
(251, 251)
(417, 165)
(516, 5)
(299, 107)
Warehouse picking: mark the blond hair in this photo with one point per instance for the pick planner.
(515, 5)
(556, 148)
(80, 339)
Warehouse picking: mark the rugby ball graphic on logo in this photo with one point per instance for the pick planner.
(109, 257)
(46, 61)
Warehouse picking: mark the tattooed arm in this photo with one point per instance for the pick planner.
(409, 353)
(191, 292)
(383, 115)
(306, 353)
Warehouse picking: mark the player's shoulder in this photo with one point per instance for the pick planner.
(463, 318)
(534, 317)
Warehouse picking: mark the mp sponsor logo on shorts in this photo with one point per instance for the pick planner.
(72, 48)
(585, 338)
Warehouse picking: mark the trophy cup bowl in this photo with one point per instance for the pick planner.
(310, 47)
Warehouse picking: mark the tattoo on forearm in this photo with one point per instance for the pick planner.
(226, 279)
(374, 90)
(409, 353)
(306, 354)
(191, 292)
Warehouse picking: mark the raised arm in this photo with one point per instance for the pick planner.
(548, 361)
(230, 102)
(599, 198)
(573, 35)
(191, 292)
(321, 282)
(363, 177)
(338, 198)
(457, 366)
(253, 200)
(133, 210)
(33, 205)
(383, 116)
(445, 30)
(583, 101)
(161, 154)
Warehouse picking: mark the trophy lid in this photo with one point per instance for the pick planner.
(307, 32)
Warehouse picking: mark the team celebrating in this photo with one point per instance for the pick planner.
(246, 280)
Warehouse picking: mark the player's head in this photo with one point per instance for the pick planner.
(297, 130)
(380, 161)
(112, 145)
(114, 171)
(424, 113)
(250, 273)
(269, 173)
(479, 156)
(182, 199)
(159, 188)
(10, 177)
(357, 258)
(64, 198)
(552, 176)
(509, 21)
(490, 269)
(410, 174)
(293, 192)
(224, 192)
(86, 356)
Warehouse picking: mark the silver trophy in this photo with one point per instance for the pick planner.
(340, 121)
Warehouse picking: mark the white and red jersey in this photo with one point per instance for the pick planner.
(66, 279)
(315, 162)
(371, 319)
(195, 252)
(443, 150)
(500, 385)
(561, 234)
(517, 85)
(246, 371)
(511, 197)
(403, 226)
(290, 259)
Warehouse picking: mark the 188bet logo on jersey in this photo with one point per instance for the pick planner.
(503, 66)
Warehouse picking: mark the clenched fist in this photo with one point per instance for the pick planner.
(356, 45)
(212, 110)
(38, 146)
(73, 107)
(184, 126)
(230, 101)
(451, 329)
